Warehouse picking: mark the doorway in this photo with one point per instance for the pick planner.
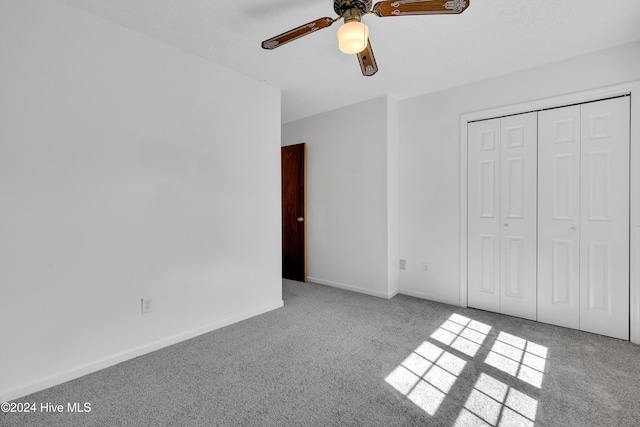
(293, 164)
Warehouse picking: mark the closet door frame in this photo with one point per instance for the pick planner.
(632, 89)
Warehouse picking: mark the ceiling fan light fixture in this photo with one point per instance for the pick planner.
(352, 37)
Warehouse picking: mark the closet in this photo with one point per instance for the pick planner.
(548, 216)
(502, 215)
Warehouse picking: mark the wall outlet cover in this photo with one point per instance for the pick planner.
(146, 305)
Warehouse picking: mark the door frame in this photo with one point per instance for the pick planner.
(632, 89)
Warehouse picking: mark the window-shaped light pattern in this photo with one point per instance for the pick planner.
(518, 357)
(463, 334)
(427, 376)
(494, 403)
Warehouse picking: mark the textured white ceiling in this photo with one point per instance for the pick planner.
(415, 54)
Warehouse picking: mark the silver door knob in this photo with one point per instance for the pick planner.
(300, 219)
(572, 230)
(506, 226)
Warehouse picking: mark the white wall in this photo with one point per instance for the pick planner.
(126, 170)
(347, 218)
(429, 157)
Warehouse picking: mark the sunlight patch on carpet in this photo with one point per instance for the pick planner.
(494, 403)
(523, 359)
(427, 376)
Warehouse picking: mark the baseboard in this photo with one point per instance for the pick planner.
(393, 293)
(62, 377)
(634, 332)
(385, 295)
(430, 297)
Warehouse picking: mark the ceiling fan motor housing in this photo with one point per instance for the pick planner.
(341, 6)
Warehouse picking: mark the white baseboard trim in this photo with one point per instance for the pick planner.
(62, 377)
(379, 294)
(430, 297)
(393, 293)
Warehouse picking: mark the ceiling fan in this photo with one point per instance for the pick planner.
(353, 36)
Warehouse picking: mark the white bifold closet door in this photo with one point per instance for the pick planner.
(583, 230)
(502, 212)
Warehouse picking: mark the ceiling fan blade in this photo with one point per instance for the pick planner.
(413, 7)
(367, 61)
(296, 33)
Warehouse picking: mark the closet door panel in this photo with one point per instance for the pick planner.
(559, 216)
(518, 213)
(604, 246)
(483, 215)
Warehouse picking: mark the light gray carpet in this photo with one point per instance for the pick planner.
(336, 358)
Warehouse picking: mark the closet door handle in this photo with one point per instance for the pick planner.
(506, 226)
(572, 230)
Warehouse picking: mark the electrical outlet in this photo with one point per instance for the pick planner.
(425, 267)
(403, 264)
(147, 305)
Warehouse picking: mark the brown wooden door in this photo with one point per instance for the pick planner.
(293, 212)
